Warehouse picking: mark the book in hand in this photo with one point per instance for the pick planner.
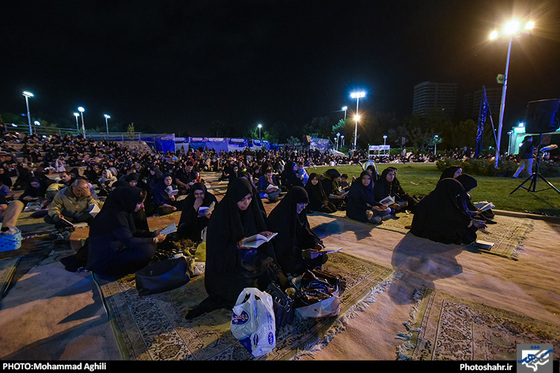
(387, 201)
(484, 205)
(203, 210)
(257, 240)
(271, 188)
(171, 228)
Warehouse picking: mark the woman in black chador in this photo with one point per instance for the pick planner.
(230, 267)
(295, 237)
(190, 223)
(389, 185)
(318, 199)
(116, 247)
(443, 215)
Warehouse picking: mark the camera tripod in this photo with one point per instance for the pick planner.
(535, 176)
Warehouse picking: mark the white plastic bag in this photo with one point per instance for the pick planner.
(253, 323)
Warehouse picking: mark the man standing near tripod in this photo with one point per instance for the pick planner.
(525, 157)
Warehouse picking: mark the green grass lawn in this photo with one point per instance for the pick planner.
(421, 178)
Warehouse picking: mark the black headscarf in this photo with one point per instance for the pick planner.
(190, 225)
(449, 172)
(359, 197)
(118, 210)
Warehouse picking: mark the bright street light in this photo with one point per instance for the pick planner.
(107, 122)
(77, 124)
(345, 108)
(27, 94)
(357, 95)
(511, 29)
(384, 139)
(260, 137)
(81, 110)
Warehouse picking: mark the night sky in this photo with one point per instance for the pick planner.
(177, 66)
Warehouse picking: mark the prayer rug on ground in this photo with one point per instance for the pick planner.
(443, 327)
(154, 327)
(507, 235)
(401, 224)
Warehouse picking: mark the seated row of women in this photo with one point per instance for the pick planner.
(118, 247)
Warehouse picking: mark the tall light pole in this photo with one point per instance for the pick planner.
(27, 94)
(345, 108)
(260, 137)
(81, 110)
(384, 139)
(357, 96)
(107, 122)
(337, 139)
(511, 29)
(342, 139)
(77, 123)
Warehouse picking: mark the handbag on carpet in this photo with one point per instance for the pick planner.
(284, 310)
(317, 295)
(252, 321)
(163, 275)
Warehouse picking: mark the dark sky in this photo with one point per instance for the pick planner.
(180, 65)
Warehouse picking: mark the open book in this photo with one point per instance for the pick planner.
(387, 201)
(203, 210)
(271, 188)
(68, 223)
(484, 244)
(257, 240)
(484, 205)
(328, 251)
(171, 228)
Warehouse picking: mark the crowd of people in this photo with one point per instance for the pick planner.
(114, 190)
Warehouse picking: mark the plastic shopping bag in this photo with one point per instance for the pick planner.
(253, 323)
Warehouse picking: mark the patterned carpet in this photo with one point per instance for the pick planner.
(507, 234)
(442, 327)
(154, 328)
(7, 271)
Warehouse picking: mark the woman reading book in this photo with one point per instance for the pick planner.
(297, 247)
(389, 185)
(116, 246)
(361, 204)
(196, 212)
(443, 215)
(230, 267)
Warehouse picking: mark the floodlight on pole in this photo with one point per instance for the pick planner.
(384, 139)
(357, 95)
(345, 108)
(107, 122)
(81, 110)
(260, 137)
(27, 94)
(511, 29)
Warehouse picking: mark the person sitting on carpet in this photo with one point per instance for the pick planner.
(318, 199)
(73, 204)
(192, 223)
(389, 185)
(268, 186)
(330, 181)
(442, 215)
(361, 204)
(296, 245)
(165, 196)
(115, 246)
(230, 267)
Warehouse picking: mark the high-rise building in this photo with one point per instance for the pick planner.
(472, 100)
(430, 96)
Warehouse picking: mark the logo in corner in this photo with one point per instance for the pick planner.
(533, 358)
